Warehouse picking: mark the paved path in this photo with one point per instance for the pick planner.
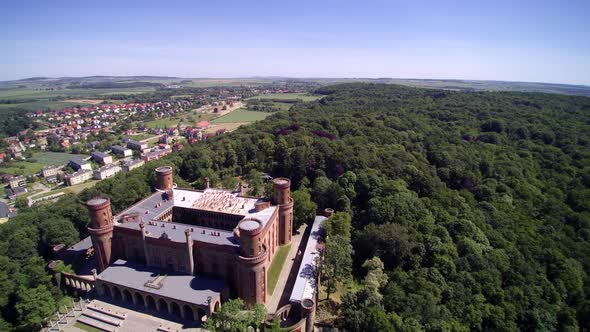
(275, 299)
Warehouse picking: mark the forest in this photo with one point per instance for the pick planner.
(456, 210)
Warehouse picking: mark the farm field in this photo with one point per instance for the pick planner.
(31, 99)
(241, 116)
(286, 96)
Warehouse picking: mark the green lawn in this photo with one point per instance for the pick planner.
(85, 327)
(241, 116)
(163, 123)
(68, 190)
(21, 168)
(287, 96)
(55, 158)
(276, 266)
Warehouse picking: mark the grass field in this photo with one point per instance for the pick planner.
(55, 158)
(287, 96)
(163, 123)
(85, 327)
(34, 164)
(68, 190)
(276, 266)
(21, 168)
(241, 116)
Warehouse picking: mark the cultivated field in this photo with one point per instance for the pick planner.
(241, 116)
(286, 96)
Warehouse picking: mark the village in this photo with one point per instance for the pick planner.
(92, 143)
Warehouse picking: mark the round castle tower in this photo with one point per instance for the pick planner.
(282, 197)
(253, 256)
(164, 178)
(101, 230)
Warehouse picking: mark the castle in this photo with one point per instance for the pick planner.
(185, 251)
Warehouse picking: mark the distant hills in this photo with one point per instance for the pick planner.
(100, 81)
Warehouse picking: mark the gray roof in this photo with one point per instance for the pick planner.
(99, 154)
(119, 148)
(4, 210)
(305, 284)
(181, 287)
(78, 161)
(148, 208)
(175, 232)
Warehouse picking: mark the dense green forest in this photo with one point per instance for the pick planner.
(460, 210)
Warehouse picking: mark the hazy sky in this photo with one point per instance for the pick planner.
(537, 40)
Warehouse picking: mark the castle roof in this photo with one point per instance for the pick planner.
(150, 280)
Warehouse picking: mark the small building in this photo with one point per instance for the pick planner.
(80, 164)
(121, 151)
(78, 177)
(132, 164)
(165, 139)
(136, 145)
(17, 181)
(49, 171)
(106, 171)
(101, 158)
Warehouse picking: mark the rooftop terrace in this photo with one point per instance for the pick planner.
(183, 287)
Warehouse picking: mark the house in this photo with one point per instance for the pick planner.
(48, 171)
(106, 171)
(136, 145)
(17, 181)
(101, 158)
(78, 177)
(121, 151)
(165, 139)
(78, 164)
(132, 164)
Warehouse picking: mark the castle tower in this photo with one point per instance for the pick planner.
(101, 230)
(164, 178)
(252, 268)
(282, 197)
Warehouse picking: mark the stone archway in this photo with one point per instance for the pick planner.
(188, 312)
(117, 294)
(150, 303)
(127, 295)
(200, 314)
(162, 305)
(138, 300)
(175, 309)
(106, 291)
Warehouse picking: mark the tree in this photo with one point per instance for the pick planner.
(304, 208)
(337, 262)
(233, 317)
(338, 224)
(376, 277)
(34, 306)
(57, 231)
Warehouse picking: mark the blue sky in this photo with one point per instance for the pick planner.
(543, 41)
